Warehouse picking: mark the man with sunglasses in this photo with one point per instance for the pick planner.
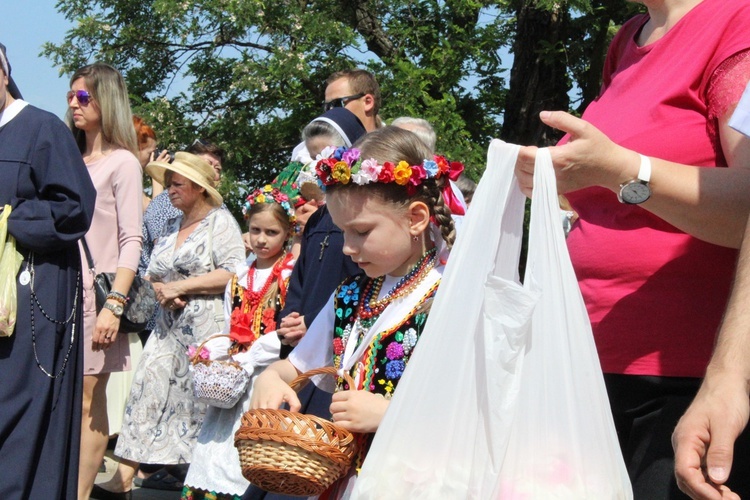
(353, 89)
(356, 90)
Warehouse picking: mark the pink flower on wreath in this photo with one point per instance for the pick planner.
(370, 170)
(418, 174)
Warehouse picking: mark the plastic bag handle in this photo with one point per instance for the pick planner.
(545, 231)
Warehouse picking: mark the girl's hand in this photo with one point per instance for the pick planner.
(270, 391)
(105, 330)
(292, 329)
(358, 411)
(588, 159)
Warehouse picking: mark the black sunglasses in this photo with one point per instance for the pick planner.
(83, 97)
(340, 102)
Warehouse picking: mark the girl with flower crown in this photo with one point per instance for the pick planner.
(252, 302)
(387, 197)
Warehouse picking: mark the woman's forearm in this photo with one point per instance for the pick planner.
(732, 352)
(123, 280)
(711, 204)
(207, 284)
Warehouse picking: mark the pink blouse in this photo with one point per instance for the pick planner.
(114, 240)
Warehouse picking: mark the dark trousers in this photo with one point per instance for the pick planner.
(646, 410)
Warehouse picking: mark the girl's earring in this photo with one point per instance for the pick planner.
(415, 237)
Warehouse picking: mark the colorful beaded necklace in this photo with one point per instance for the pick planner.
(370, 307)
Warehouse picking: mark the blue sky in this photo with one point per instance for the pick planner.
(23, 30)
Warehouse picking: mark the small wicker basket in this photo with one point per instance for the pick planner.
(217, 383)
(291, 453)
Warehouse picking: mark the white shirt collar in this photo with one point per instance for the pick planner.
(12, 111)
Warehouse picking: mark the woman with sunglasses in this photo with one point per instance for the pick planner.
(99, 116)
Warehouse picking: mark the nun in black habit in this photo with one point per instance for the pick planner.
(45, 182)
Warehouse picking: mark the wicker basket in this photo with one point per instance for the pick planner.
(217, 383)
(291, 453)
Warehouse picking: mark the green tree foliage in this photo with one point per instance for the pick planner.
(249, 74)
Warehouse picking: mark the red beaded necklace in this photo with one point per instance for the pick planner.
(253, 298)
(370, 307)
(250, 320)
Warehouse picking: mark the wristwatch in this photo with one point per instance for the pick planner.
(116, 309)
(637, 191)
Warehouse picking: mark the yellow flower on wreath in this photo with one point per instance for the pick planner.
(402, 173)
(260, 199)
(341, 172)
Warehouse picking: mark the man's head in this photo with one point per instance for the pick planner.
(420, 127)
(356, 90)
(210, 152)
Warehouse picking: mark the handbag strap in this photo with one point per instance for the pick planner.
(86, 250)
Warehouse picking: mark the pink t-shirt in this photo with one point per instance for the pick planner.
(655, 295)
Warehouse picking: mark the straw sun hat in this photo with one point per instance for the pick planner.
(192, 167)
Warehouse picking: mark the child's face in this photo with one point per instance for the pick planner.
(376, 234)
(267, 238)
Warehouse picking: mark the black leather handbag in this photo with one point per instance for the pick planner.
(141, 302)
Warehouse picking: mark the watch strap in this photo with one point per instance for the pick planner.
(117, 310)
(644, 173)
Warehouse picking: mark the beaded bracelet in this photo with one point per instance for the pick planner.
(117, 297)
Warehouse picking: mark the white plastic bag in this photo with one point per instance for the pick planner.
(504, 396)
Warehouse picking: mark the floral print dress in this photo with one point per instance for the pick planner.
(162, 420)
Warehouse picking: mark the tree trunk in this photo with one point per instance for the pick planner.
(538, 78)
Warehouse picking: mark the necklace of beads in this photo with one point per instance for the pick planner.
(252, 302)
(34, 301)
(370, 306)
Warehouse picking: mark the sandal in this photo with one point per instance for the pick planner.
(159, 480)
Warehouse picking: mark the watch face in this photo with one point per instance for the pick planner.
(635, 192)
(116, 309)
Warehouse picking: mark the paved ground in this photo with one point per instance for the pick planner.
(138, 493)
